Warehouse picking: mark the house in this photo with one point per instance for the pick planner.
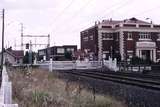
(122, 39)
(13, 56)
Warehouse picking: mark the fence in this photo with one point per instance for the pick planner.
(69, 65)
(6, 91)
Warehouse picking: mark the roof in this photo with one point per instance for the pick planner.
(111, 22)
(18, 53)
(131, 20)
(15, 53)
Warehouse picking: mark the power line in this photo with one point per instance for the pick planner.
(66, 7)
(82, 8)
(123, 5)
(61, 13)
(146, 11)
(79, 10)
(86, 4)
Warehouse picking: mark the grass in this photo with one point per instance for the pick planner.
(40, 88)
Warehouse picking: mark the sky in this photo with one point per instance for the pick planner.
(65, 19)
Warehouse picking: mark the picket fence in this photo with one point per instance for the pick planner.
(69, 65)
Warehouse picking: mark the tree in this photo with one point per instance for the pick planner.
(68, 55)
(26, 58)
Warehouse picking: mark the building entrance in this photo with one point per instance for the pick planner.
(146, 55)
(146, 50)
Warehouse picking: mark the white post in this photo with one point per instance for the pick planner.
(110, 62)
(140, 53)
(74, 64)
(35, 61)
(6, 91)
(154, 55)
(51, 65)
(115, 64)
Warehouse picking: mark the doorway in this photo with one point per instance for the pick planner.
(146, 55)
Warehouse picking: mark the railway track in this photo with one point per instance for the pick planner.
(124, 79)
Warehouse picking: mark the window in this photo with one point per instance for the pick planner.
(158, 37)
(117, 36)
(60, 50)
(144, 36)
(107, 36)
(41, 52)
(91, 37)
(144, 25)
(129, 36)
(106, 26)
(85, 39)
(70, 49)
(129, 25)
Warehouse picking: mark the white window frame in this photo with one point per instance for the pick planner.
(129, 51)
(107, 36)
(91, 37)
(70, 49)
(144, 36)
(60, 50)
(85, 39)
(129, 36)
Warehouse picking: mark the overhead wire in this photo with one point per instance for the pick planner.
(146, 11)
(64, 9)
(81, 9)
(76, 13)
(88, 2)
(117, 8)
(61, 13)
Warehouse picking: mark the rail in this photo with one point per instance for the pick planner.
(140, 82)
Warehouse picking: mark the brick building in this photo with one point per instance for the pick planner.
(123, 39)
(56, 52)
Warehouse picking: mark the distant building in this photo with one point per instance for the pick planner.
(123, 39)
(13, 56)
(81, 55)
(57, 52)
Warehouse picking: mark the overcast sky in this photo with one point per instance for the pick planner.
(64, 19)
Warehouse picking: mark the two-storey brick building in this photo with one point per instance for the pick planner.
(125, 38)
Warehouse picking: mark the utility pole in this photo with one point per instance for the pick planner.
(21, 36)
(30, 53)
(48, 41)
(2, 40)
